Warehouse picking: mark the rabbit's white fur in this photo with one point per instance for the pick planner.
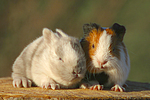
(54, 60)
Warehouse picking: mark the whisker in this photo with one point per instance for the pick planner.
(94, 74)
(91, 71)
(115, 65)
(87, 77)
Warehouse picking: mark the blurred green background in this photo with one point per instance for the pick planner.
(22, 21)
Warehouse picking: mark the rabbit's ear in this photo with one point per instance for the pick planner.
(60, 33)
(49, 36)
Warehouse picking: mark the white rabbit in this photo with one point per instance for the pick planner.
(107, 58)
(54, 60)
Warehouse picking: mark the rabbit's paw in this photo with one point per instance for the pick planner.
(50, 85)
(21, 82)
(92, 87)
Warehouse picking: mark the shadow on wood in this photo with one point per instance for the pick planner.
(135, 90)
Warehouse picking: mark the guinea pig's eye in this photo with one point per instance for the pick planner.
(93, 46)
(113, 49)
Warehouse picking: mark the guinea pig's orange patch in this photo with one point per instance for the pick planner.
(110, 31)
(93, 39)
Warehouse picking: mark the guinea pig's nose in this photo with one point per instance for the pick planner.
(104, 62)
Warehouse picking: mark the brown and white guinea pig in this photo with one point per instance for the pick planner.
(107, 59)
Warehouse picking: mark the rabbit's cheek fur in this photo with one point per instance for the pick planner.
(67, 74)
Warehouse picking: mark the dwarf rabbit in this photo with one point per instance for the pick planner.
(54, 60)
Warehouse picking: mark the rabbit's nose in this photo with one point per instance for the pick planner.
(76, 73)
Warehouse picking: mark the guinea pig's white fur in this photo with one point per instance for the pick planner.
(106, 52)
(117, 69)
(54, 60)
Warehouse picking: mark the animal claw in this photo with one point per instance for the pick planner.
(51, 86)
(118, 88)
(96, 87)
(84, 85)
(22, 82)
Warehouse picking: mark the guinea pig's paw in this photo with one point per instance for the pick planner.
(84, 85)
(21, 82)
(96, 87)
(118, 88)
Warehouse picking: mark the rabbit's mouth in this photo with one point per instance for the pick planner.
(76, 79)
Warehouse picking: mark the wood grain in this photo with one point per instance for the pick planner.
(135, 90)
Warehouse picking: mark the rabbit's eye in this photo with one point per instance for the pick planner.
(61, 59)
(93, 46)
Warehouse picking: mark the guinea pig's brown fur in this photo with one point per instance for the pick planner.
(116, 48)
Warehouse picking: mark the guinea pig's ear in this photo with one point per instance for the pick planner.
(119, 30)
(87, 28)
(49, 35)
(60, 33)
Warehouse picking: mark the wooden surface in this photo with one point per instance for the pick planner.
(135, 90)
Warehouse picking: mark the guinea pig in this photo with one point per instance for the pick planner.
(107, 59)
(54, 60)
